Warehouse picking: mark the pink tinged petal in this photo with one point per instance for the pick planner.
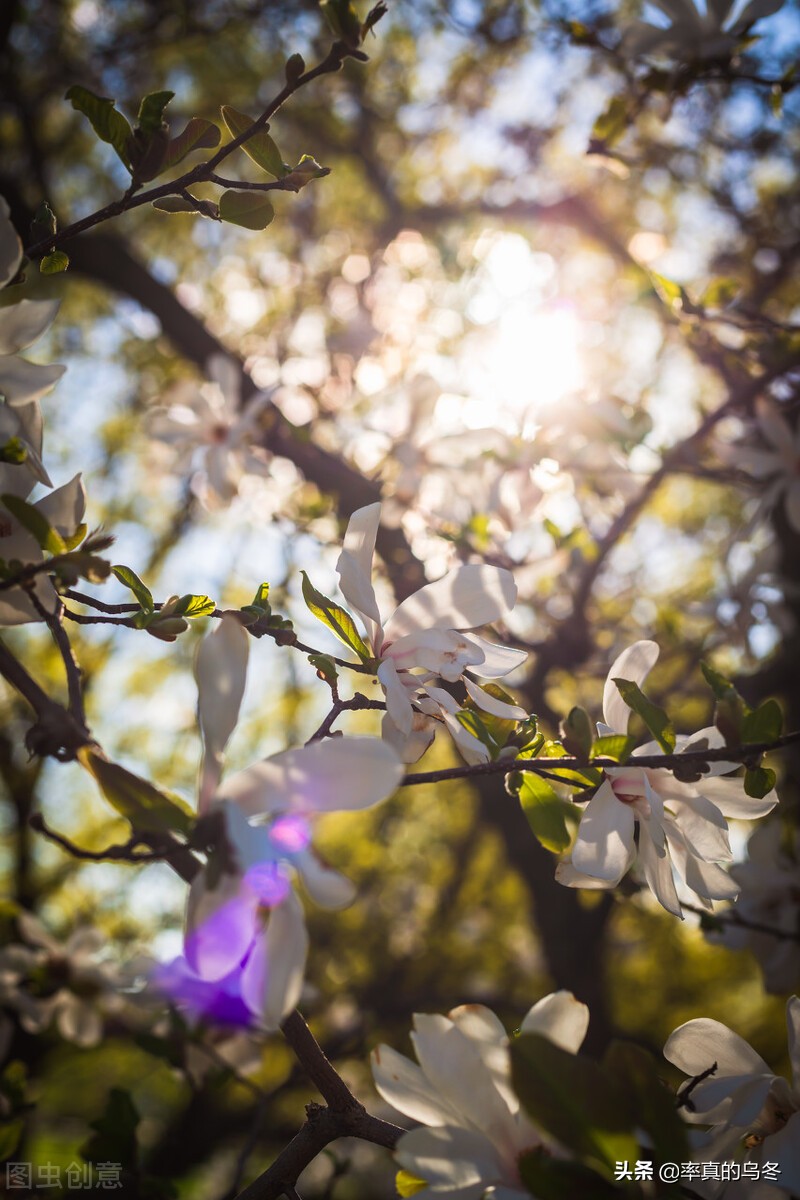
(326, 887)
(22, 381)
(402, 1084)
(221, 671)
(634, 664)
(465, 598)
(328, 776)
(10, 246)
(693, 1047)
(561, 1018)
(220, 925)
(457, 1163)
(354, 567)
(729, 796)
(605, 836)
(443, 651)
(657, 867)
(398, 703)
(272, 978)
(409, 747)
(497, 660)
(21, 324)
(784, 1147)
(497, 708)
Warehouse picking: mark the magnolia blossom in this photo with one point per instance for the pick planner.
(424, 638)
(711, 30)
(212, 431)
(779, 463)
(752, 1113)
(44, 979)
(246, 941)
(769, 897)
(649, 815)
(475, 1131)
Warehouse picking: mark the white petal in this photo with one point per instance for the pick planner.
(488, 1036)
(409, 747)
(273, 975)
(693, 1047)
(402, 1084)
(703, 827)
(444, 651)
(220, 669)
(784, 1147)
(354, 567)
(561, 1018)
(22, 381)
(23, 323)
(489, 704)
(78, 1021)
(497, 660)
(458, 1163)
(326, 887)
(398, 701)
(729, 796)
(465, 598)
(657, 868)
(10, 246)
(456, 1069)
(64, 507)
(634, 664)
(605, 836)
(567, 875)
(338, 773)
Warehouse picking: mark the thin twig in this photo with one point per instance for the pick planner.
(119, 852)
(356, 704)
(731, 916)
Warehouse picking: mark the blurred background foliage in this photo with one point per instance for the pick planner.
(465, 311)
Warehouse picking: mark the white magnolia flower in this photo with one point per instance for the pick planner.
(710, 30)
(769, 896)
(245, 931)
(212, 431)
(649, 815)
(44, 980)
(778, 465)
(475, 1131)
(753, 1114)
(423, 638)
(21, 382)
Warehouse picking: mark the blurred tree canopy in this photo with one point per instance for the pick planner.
(533, 307)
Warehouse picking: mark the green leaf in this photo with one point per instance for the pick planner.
(758, 781)
(251, 210)
(325, 667)
(499, 728)
(114, 1139)
(589, 777)
(53, 263)
(408, 1184)
(199, 134)
(44, 222)
(614, 745)
(720, 686)
(109, 125)
(577, 733)
(612, 123)
(550, 1178)
(720, 292)
(174, 204)
(343, 20)
(764, 724)
(545, 812)
(151, 111)
(637, 1073)
(37, 525)
(671, 293)
(575, 1100)
(131, 580)
(141, 803)
(473, 721)
(260, 147)
(654, 717)
(195, 606)
(336, 619)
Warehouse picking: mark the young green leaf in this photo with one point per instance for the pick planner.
(612, 122)
(251, 210)
(146, 808)
(654, 717)
(109, 125)
(151, 111)
(763, 724)
(614, 745)
(199, 134)
(53, 263)
(260, 147)
(545, 811)
(131, 580)
(577, 733)
(194, 606)
(325, 668)
(335, 617)
(758, 781)
(37, 525)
